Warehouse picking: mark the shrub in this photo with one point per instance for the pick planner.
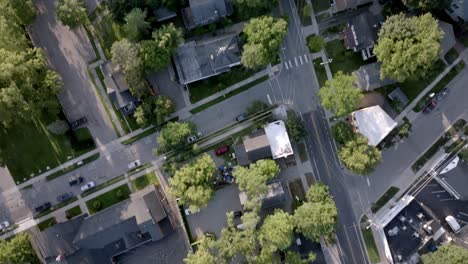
(315, 43)
(97, 205)
(119, 194)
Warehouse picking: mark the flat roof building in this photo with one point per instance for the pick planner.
(373, 123)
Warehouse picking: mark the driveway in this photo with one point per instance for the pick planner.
(68, 53)
(168, 87)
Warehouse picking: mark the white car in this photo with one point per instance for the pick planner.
(134, 164)
(188, 212)
(4, 225)
(88, 186)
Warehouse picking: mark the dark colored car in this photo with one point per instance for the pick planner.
(430, 106)
(241, 117)
(238, 214)
(220, 151)
(76, 181)
(43, 207)
(79, 122)
(65, 197)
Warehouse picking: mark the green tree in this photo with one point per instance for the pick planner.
(342, 132)
(340, 95)
(315, 43)
(125, 55)
(135, 78)
(318, 216)
(295, 127)
(204, 254)
(136, 26)
(72, 13)
(264, 36)
(24, 10)
(174, 134)
(295, 258)
(256, 107)
(276, 231)
(358, 156)
(253, 179)
(247, 9)
(12, 36)
(427, 5)
(447, 254)
(408, 47)
(154, 110)
(193, 183)
(17, 250)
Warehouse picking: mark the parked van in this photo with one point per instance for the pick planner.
(452, 222)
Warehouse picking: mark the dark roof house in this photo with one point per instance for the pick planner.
(204, 12)
(342, 5)
(360, 34)
(458, 10)
(101, 237)
(368, 77)
(201, 59)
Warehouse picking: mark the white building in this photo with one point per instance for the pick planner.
(373, 123)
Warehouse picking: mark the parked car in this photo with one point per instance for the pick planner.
(79, 122)
(41, 208)
(191, 139)
(453, 223)
(220, 151)
(430, 106)
(4, 225)
(188, 212)
(65, 197)
(76, 181)
(241, 117)
(132, 165)
(238, 214)
(88, 186)
(442, 94)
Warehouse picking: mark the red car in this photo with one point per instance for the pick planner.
(220, 151)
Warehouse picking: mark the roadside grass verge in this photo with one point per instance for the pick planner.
(320, 5)
(98, 10)
(228, 95)
(73, 212)
(383, 200)
(72, 167)
(302, 152)
(55, 207)
(369, 241)
(145, 180)
(108, 199)
(102, 185)
(297, 193)
(93, 44)
(140, 136)
(343, 59)
(47, 223)
(204, 88)
(107, 32)
(304, 12)
(320, 72)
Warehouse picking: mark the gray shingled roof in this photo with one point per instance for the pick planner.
(203, 12)
(361, 31)
(368, 77)
(341, 5)
(257, 146)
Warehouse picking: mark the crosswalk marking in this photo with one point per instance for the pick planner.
(295, 60)
(300, 58)
(286, 64)
(306, 59)
(289, 65)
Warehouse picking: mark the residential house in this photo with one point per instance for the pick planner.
(275, 196)
(361, 32)
(117, 89)
(200, 59)
(270, 142)
(100, 238)
(342, 5)
(204, 12)
(373, 123)
(368, 77)
(448, 41)
(458, 10)
(454, 178)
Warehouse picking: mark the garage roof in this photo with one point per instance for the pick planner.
(373, 123)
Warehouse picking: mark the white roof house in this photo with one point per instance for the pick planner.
(279, 139)
(373, 123)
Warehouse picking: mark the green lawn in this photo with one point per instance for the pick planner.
(107, 32)
(369, 241)
(47, 223)
(204, 88)
(343, 59)
(302, 152)
(72, 212)
(320, 72)
(320, 5)
(31, 148)
(108, 199)
(145, 180)
(384, 199)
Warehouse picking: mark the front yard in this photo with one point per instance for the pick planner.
(108, 31)
(343, 59)
(108, 199)
(145, 180)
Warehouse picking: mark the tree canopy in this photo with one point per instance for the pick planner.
(24, 10)
(295, 127)
(253, 179)
(408, 47)
(193, 183)
(136, 26)
(72, 13)
(17, 250)
(154, 110)
(358, 156)
(174, 134)
(426, 5)
(125, 55)
(276, 231)
(340, 95)
(447, 254)
(264, 36)
(342, 132)
(203, 255)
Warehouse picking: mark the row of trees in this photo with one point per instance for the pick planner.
(17, 250)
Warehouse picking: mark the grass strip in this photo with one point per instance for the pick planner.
(97, 11)
(383, 200)
(370, 242)
(102, 185)
(320, 72)
(108, 199)
(73, 212)
(145, 180)
(140, 136)
(302, 152)
(228, 95)
(187, 227)
(47, 223)
(72, 167)
(139, 168)
(121, 119)
(55, 207)
(93, 44)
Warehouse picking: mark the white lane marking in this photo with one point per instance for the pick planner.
(316, 168)
(438, 192)
(295, 60)
(300, 58)
(443, 200)
(286, 64)
(368, 182)
(269, 99)
(463, 213)
(290, 64)
(305, 58)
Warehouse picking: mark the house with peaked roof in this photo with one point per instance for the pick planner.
(204, 12)
(373, 123)
(200, 59)
(275, 195)
(101, 237)
(360, 34)
(342, 5)
(368, 77)
(458, 10)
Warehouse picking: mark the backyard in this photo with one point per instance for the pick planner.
(343, 59)
(145, 180)
(108, 199)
